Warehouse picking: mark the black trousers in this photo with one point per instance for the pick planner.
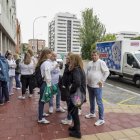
(26, 81)
(73, 110)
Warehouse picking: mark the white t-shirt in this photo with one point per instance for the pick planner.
(55, 73)
(12, 66)
(27, 69)
(96, 72)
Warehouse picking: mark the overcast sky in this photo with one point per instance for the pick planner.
(116, 15)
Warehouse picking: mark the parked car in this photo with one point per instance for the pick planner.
(60, 61)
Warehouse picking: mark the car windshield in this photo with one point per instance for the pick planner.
(138, 56)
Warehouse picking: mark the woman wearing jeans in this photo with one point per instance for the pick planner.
(17, 71)
(45, 65)
(12, 66)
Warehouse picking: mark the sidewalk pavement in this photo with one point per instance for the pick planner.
(18, 121)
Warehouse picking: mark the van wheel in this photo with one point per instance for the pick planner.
(137, 82)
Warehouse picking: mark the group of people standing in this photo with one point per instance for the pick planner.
(73, 77)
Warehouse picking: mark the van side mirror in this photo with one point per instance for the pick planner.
(135, 65)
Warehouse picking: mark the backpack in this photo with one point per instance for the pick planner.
(4, 76)
(37, 78)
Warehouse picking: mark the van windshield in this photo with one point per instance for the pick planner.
(138, 56)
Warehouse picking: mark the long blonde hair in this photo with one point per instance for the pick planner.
(75, 61)
(27, 58)
(30, 52)
(43, 56)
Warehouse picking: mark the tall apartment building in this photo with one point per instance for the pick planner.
(7, 25)
(64, 34)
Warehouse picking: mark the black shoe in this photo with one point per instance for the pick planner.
(71, 128)
(6, 101)
(75, 134)
(1, 103)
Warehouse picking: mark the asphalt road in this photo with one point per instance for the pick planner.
(123, 83)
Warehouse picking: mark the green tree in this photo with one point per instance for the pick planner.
(106, 37)
(109, 37)
(91, 31)
(136, 38)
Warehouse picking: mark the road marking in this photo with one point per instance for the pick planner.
(128, 105)
(134, 93)
(105, 101)
(126, 100)
(125, 90)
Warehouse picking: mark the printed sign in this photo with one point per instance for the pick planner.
(110, 52)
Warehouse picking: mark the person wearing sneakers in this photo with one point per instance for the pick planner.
(97, 73)
(64, 87)
(12, 66)
(17, 71)
(45, 65)
(27, 68)
(78, 80)
(55, 73)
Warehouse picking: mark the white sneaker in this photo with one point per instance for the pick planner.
(51, 109)
(90, 115)
(21, 97)
(45, 114)
(60, 109)
(18, 88)
(11, 93)
(79, 111)
(30, 95)
(99, 122)
(44, 121)
(65, 107)
(66, 121)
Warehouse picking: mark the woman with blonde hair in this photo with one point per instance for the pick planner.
(78, 80)
(27, 68)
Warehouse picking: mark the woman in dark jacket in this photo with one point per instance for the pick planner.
(78, 80)
(64, 88)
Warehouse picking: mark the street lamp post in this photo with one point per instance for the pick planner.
(33, 28)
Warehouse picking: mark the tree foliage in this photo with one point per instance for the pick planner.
(109, 37)
(136, 38)
(91, 31)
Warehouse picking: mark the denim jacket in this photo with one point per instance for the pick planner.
(4, 68)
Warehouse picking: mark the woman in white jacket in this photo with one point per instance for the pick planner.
(46, 67)
(12, 66)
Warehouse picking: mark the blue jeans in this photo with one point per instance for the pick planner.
(96, 93)
(10, 84)
(58, 98)
(41, 104)
(17, 81)
(4, 96)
